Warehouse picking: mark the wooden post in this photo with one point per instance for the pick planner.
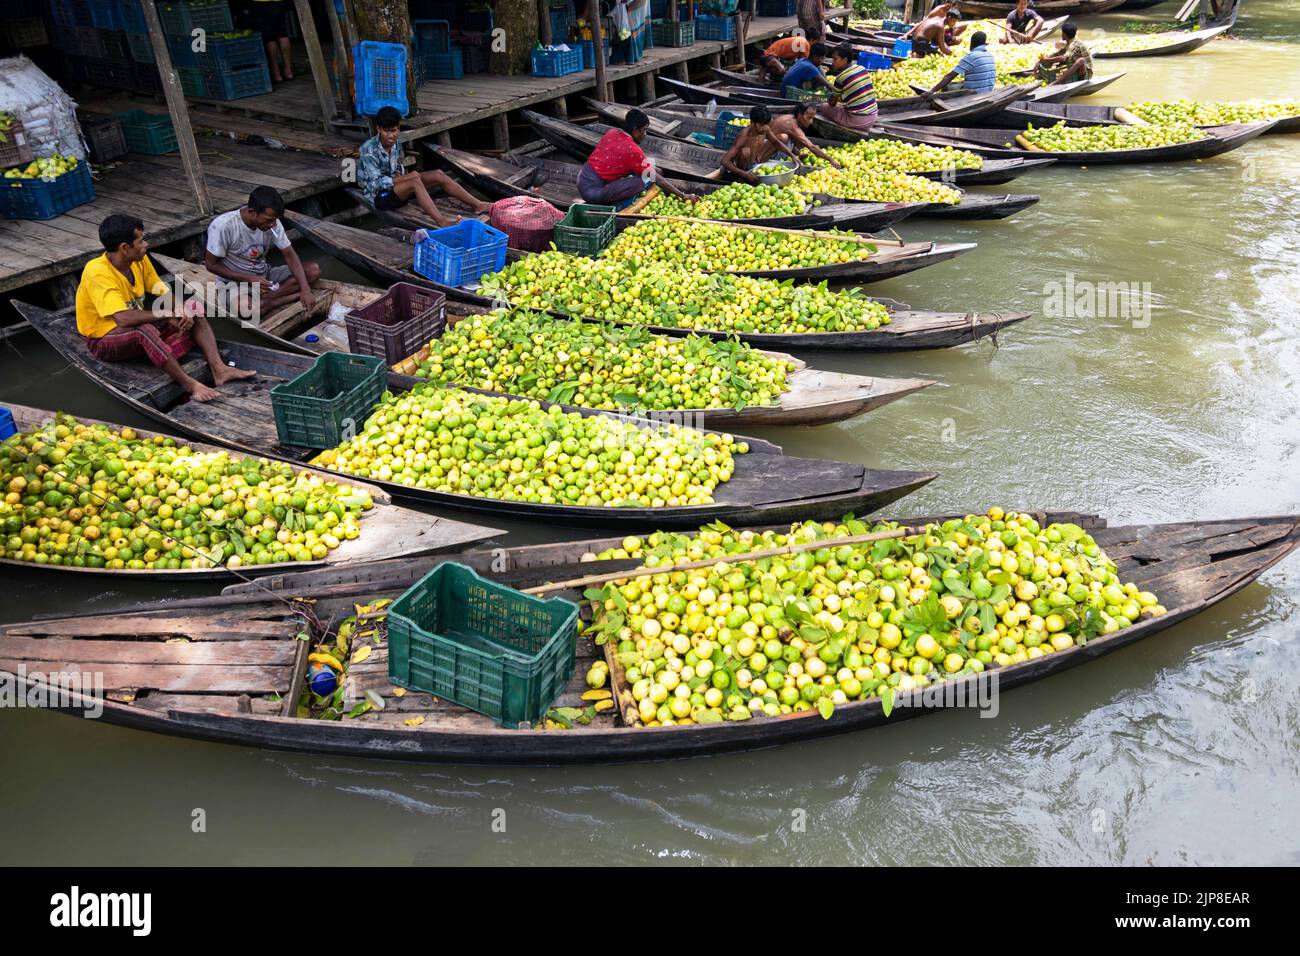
(646, 82)
(340, 60)
(742, 30)
(907, 12)
(443, 138)
(179, 110)
(319, 73)
(544, 23)
(560, 108)
(598, 47)
(1204, 14)
(501, 132)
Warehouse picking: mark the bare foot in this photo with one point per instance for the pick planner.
(288, 75)
(220, 376)
(201, 393)
(484, 207)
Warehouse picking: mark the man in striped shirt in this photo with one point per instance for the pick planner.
(854, 102)
(978, 68)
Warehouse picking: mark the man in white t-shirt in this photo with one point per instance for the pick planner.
(238, 242)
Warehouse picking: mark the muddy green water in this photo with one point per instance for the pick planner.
(1179, 750)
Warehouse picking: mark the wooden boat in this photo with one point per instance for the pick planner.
(815, 397)
(387, 260)
(239, 677)
(885, 38)
(289, 327)
(766, 485)
(700, 163)
(679, 126)
(1075, 89)
(557, 183)
(1048, 114)
(992, 142)
(1178, 43)
(958, 105)
(999, 11)
(388, 532)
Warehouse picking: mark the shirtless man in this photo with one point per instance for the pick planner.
(755, 144)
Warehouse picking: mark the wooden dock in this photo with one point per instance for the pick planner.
(154, 188)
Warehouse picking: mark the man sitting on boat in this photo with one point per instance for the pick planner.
(386, 183)
(756, 144)
(1074, 59)
(807, 70)
(936, 33)
(617, 170)
(236, 249)
(776, 59)
(792, 130)
(854, 103)
(112, 317)
(1023, 24)
(978, 68)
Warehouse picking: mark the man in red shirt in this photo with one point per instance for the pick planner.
(617, 169)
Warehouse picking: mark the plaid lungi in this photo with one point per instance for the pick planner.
(159, 342)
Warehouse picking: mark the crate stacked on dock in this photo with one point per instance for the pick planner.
(673, 33)
(15, 150)
(776, 8)
(24, 32)
(229, 64)
(146, 132)
(588, 48)
(557, 61)
(716, 7)
(436, 57)
(380, 73)
(68, 15)
(474, 50)
(47, 195)
(104, 138)
(562, 20)
(715, 28)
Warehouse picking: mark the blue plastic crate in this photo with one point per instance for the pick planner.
(431, 36)
(233, 54)
(45, 199)
(69, 14)
(75, 68)
(588, 48)
(776, 8)
(561, 24)
(380, 76)
(7, 426)
(141, 47)
(875, 61)
(557, 62)
(237, 83)
(439, 66)
(459, 254)
(103, 14)
(894, 26)
(724, 134)
(715, 28)
(182, 19)
(902, 48)
(478, 21)
(132, 16)
(182, 53)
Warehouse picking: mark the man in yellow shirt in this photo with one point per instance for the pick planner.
(112, 317)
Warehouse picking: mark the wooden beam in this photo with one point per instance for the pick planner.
(319, 72)
(646, 86)
(179, 110)
(544, 23)
(598, 47)
(340, 60)
(501, 132)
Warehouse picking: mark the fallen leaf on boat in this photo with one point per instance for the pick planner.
(414, 721)
(361, 654)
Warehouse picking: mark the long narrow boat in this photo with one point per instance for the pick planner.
(680, 126)
(388, 260)
(999, 11)
(238, 678)
(700, 163)
(958, 105)
(994, 142)
(388, 532)
(1048, 114)
(557, 183)
(767, 485)
(884, 38)
(1177, 43)
(815, 397)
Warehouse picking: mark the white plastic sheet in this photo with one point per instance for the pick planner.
(48, 115)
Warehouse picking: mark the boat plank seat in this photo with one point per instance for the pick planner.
(233, 624)
(202, 653)
(223, 678)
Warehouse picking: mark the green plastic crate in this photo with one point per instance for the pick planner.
(800, 95)
(585, 229)
(482, 644)
(146, 132)
(315, 409)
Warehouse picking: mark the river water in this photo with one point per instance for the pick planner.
(1178, 750)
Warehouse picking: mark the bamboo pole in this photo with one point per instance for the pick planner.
(179, 109)
(598, 50)
(725, 559)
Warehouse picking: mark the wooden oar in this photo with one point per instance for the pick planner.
(725, 559)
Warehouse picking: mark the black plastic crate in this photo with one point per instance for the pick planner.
(103, 135)
(397, 324)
